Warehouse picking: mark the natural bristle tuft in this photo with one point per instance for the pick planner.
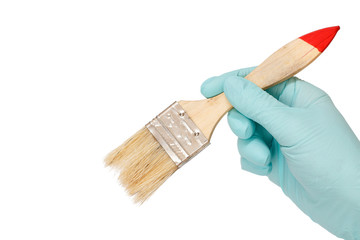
(143, 164)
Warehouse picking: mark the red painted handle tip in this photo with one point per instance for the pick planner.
(321, 38)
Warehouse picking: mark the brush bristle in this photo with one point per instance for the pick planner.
(143, 164)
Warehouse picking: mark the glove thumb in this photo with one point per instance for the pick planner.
(261, 107)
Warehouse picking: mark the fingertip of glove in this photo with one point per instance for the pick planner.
(215, 85)
(255, 150)
(241, 126)
(203, 89)
(212, 86)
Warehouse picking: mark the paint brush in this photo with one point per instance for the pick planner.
(183, 129)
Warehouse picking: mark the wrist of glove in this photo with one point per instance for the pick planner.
(294, 134)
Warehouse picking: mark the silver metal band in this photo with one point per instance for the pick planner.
(177, 134)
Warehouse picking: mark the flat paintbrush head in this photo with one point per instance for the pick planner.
(143, 164)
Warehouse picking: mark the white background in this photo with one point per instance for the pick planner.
(79, 77)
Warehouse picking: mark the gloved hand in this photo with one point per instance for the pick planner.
(293, 134)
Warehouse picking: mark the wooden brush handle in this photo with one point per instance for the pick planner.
(277, 68)
(281, 65)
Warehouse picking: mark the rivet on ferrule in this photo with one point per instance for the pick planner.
(177, 134)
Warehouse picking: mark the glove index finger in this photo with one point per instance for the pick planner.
(241, 126)
(215, 85)
(212, 86)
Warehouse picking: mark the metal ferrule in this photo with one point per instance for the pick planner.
(177, 134)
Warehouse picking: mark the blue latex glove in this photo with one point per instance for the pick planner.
(293, 134)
